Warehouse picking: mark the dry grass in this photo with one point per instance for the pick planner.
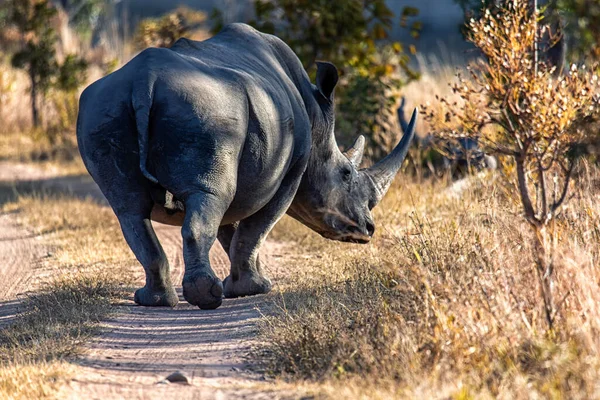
(434, 82)
(443, 303)
(33, 146)
(85, 234)
(84, 276)
(56, 320)
(15, 106)
(55, 141)
(33, 381)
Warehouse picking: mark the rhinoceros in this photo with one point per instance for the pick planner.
(223, 137)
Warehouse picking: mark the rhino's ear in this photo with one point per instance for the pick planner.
(327, 78)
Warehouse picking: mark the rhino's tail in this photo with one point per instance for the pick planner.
(142, 97)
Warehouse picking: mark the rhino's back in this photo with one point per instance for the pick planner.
(239, 62)
(217, 76)
(222, 115)
(227, 95)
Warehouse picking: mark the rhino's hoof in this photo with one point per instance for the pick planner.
(204, 291)
(156, 298)
(247, 285)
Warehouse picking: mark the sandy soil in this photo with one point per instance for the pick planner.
(20, 256)
(141, 346)
(21, 251)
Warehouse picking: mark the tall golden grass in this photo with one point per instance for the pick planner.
(443, 303)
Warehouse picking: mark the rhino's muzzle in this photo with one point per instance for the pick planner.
(356, 239)
(352, 234)
(347, 237)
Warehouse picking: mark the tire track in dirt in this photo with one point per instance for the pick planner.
(20, 249)
(140, 346)
(18, 253)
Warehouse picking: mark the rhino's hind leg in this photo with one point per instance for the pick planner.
(201, 287)
(140, 236)
(132, 204)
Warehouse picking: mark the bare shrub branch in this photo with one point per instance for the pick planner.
(516, 105)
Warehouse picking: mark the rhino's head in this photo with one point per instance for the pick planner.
(335, 197)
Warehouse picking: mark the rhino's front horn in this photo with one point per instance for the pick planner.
(401, 117)
(355, 153)
(384, 171)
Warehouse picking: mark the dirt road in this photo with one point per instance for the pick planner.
(140, 346)
(20, 253)
(20, 249)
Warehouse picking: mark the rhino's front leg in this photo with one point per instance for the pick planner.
(247, 276)
(204, 213)
(225, 235)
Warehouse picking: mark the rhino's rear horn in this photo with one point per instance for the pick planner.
(356, 151)
(382, 174)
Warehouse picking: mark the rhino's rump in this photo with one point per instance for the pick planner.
(222, 118)
(230, 134)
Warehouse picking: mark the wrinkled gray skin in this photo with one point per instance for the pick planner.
(222, 137)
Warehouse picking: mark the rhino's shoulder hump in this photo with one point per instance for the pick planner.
(150, 56)
(241, 29)
(231, 35)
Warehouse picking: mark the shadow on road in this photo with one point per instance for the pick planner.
(80, 186)
(9, 310)
(158, 340)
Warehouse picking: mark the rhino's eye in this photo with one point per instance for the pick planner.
(346, 175)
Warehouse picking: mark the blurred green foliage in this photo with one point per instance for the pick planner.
(33, 20)
(84, 15)
(338, 31)
(583, 27)
(368, 100)
(71, 73)
(354, 35)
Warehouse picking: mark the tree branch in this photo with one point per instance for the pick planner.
(563, 195)
(524, 191)
(544, 199)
